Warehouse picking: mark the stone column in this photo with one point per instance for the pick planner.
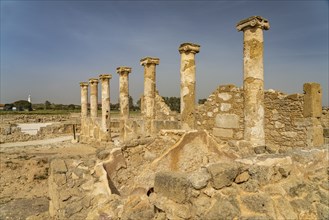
(84, 99)
(187, 84)
(93, 97)
(253, 78)
(149, 64)
(106, 121)
(123, 72)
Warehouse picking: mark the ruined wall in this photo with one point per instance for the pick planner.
(162, 110)
(222, 113)
(285, 123)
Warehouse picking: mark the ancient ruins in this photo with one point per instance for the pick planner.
(246, 153)
(230, 113)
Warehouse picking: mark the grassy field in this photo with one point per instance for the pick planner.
(57, 112)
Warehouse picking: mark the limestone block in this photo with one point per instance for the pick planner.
(227, 121)
(243, 177)
(58, 166)
(284, 209)
(222, 132)
(278, 124)
(223, 209)
(138, 207)
(289, 134)
(200, 178)
(225, 96)
(223, 174)
(260, 202)
(174, 186)
(224, 107)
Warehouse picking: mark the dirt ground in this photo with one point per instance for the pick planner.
(24, 175)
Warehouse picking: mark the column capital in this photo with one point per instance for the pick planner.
(149, 60)
(253, 22)
(84, 84)
(93, 80)
(189, 47)
(123, 69)
(105, 76)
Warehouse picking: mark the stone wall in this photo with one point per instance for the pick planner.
(285, 123)
(33, 118)
(222, 113)
(13, 133)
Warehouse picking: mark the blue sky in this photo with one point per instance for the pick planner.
(48, 47)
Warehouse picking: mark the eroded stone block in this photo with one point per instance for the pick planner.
(223, 174)
(174, 186)
(227, 121)
(223, 133)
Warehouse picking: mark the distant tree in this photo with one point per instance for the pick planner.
(8, 107)
(71, 107)
(59, 107)
(115, 106)
(47, 105)
(173, 103)
(139, 104)
(23, 105)
(131, 103)
(202, 101)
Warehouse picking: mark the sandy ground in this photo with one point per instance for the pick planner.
(24, 174)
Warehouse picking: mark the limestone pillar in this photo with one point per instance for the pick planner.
(312, 100)
(84, 99)
(149, 64)
(124, 99)
(106, 122)
(312, 111)
(187, 85)
(93, 97)
(253, 78)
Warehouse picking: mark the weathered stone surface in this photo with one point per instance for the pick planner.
(172, 209)
(58, 166)
(138, 207)
(222, 209)
(225, 96)
(223, 132)
(223, 174)
(187, 85)
(260, 149)
(227, 121)
(93, 97)
(106, 116)
(284, 209)
(243, 177)
(253, 75)
(312, 100)
(200, 178)
(259, 202)
(174, 186)
(322, 211)
(149, 64)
